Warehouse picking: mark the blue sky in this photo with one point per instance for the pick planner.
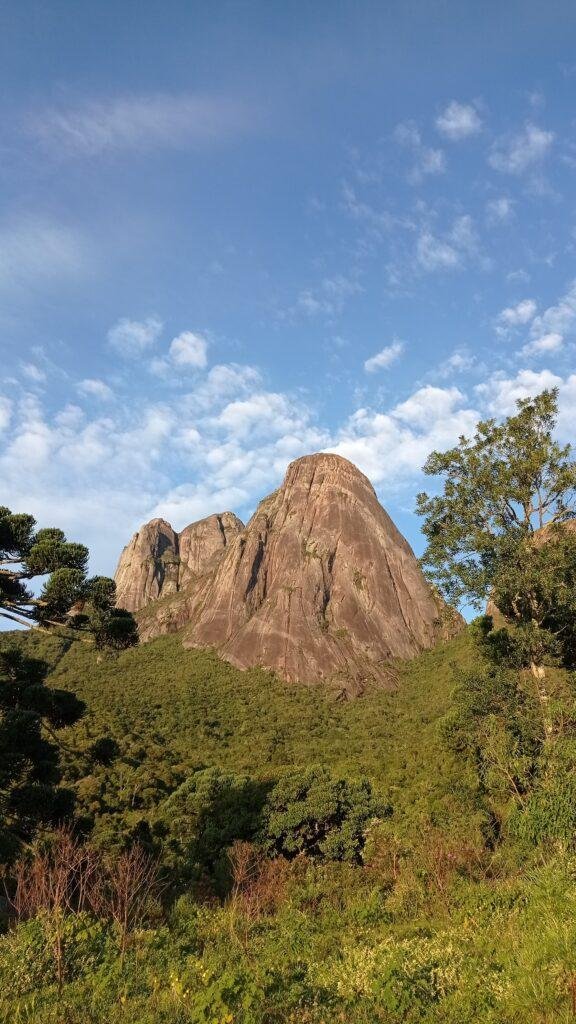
(235, 233)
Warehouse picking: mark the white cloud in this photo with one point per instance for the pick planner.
(518, 153)
(500, 393)
(131, 338)
(559, 318)
(140, 123)
(436, 254)
(260, 414)
(391, 447)
(427, 160)
(461, 361)
(96, 389)
(458, 121)
(189, 350)
(428, 404)
(102, 471)
(33, 373)
(383, 359)
(551, 342)
(329, 298)
(515, 316)
(452, 250)
(431, 161)
(499, 211)
(5, 413)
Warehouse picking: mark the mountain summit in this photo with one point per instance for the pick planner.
(319, 585)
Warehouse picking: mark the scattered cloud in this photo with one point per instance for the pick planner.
(426, 159)
(543, 345)
(434, 253)
(383, 359)
(231, 438)
(94, 388)
(391, 447)
(140, 123)
(449, 251)
(518, 153)
(559, 318)
(132, 338)
(189, 351)
(5, 412)
(499, 211)
(461, 361)
(33, 373)
(500, 393)
(515, 316)
(329, 298)
(458, 121)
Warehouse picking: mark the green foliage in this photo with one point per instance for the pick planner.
(67, 597)
(501, 489)
(29, 760)
(426, 922)
(204, 816)
(308, 811)
(26, 958)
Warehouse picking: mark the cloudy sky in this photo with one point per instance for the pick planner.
(232, 233)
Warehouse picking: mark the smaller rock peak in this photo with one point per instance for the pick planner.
(155, 524)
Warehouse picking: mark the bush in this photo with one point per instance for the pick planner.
(311, 812)
(26, 957)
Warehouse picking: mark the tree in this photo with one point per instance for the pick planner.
(30, 714)
(498, 531)
(309, 811)
(205, 815)
(493, 724)
(67, 597)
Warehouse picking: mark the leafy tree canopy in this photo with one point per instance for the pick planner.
(498, 529)
(309, 811)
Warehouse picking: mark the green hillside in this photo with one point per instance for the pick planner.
(172, 711)
(448, 915)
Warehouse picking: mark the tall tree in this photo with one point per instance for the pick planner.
(67, 596)
(30, 714)
(500, 530)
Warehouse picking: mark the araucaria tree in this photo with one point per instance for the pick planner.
(30, 711)
(503, 531)
(67, 596)
(30, 714)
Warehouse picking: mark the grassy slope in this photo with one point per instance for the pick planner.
(176, 709)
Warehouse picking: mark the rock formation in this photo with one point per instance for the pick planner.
(319, 585)
(159, 562)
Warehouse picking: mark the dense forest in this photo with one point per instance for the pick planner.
(185, 842)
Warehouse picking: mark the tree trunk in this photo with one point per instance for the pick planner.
(539, 675)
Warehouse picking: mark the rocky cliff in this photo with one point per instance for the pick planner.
(319, 585)
(158, 562)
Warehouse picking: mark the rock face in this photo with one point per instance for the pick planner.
(158, 562)
(320, 584)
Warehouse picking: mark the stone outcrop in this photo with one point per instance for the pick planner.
(158, 562)
(320, 584)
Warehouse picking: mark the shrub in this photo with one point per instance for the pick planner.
(311, 812)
